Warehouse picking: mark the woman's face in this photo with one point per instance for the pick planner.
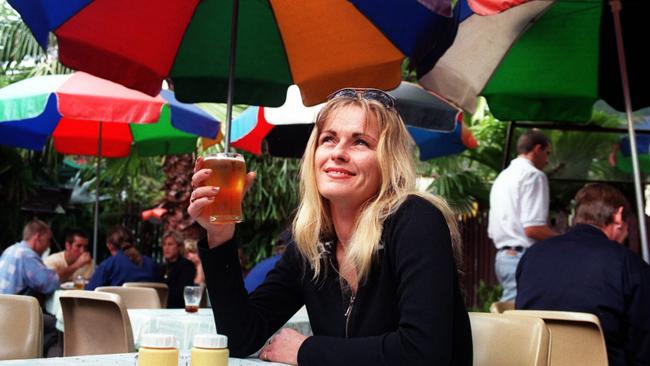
(170, 249)
(346, 164)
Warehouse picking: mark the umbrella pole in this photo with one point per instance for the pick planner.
(231, 71)
(97, 168)
(616, 8)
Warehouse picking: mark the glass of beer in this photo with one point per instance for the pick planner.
(192, 296)
(229, 174)
(79, 282)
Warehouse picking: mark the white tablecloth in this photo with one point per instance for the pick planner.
(123, 359)
(185, 325)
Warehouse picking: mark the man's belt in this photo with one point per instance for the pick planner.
(517, 248)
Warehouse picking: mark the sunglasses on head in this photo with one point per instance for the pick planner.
(377, 95)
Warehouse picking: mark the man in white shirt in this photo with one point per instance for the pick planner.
(519, 202)
(74, 260)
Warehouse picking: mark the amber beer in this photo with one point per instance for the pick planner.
(191, 308)
(229, 174)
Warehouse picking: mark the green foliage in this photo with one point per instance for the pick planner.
(487, 294)
(269, 205)
(15, 186)
(131, 182)
(464, 180)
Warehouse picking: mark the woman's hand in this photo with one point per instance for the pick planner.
(283, 347)
(204, 195)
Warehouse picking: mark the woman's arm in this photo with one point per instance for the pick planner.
(249, 321)
(428, 301)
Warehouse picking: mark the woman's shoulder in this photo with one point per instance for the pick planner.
(423, 204)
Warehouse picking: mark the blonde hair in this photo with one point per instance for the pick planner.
(395, 151)
(34, 227)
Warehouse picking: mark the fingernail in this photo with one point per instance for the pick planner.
(215, 189)
(207, 172)
(210, 198)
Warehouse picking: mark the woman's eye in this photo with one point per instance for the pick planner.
(326, 139)
(361, 142)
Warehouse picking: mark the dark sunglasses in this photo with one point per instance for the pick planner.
(377, 95)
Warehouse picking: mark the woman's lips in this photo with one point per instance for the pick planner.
(338, 173)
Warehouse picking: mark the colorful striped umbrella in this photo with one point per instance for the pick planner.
(544, 60)
(70, 109)
(284, 131)
(320, 45)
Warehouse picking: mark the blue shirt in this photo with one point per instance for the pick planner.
(257, 275)
(22, 269)
(118, 269)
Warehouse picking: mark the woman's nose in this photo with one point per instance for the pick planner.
(340, 152)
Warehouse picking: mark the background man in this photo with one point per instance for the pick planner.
(21, 268)
(587, 270)
(519, 202)
(74, 260)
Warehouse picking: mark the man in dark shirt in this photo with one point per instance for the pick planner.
(588, 270)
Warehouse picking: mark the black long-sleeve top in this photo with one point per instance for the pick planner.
(408, 312)
(176, 275)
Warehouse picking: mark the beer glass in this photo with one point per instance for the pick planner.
(229, 174)
(192, 296)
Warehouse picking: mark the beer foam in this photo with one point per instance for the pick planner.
(213, 157)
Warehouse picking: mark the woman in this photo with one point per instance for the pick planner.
(125, 264)
(176, 271)
(372, 258)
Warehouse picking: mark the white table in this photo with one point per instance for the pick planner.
(185, 325)
(122, 359)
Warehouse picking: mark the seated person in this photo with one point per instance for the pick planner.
(74, 260)
(176, 271)
(22, 272)
(21, 268)
(192, 254)
(371, 257)
(588, 270)
(125, 264)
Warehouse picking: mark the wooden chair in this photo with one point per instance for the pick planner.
(95, 323)
(576, 338)
(134, 297)
(21, 327)
(161, 288)
(509, 340)
(498, 307)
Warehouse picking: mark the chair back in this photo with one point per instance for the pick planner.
(502, 340)
(576, 338)
(501, 306)
(95, 323)
(21, 327)
(134, 297)
(161, 288)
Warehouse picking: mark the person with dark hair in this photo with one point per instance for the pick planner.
(74, 260)
(519, 201)
(176, 271)
(370, 257)
(588, 270)
(125, 264)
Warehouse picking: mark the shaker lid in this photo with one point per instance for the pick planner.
(158, 340)
(208, 340)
